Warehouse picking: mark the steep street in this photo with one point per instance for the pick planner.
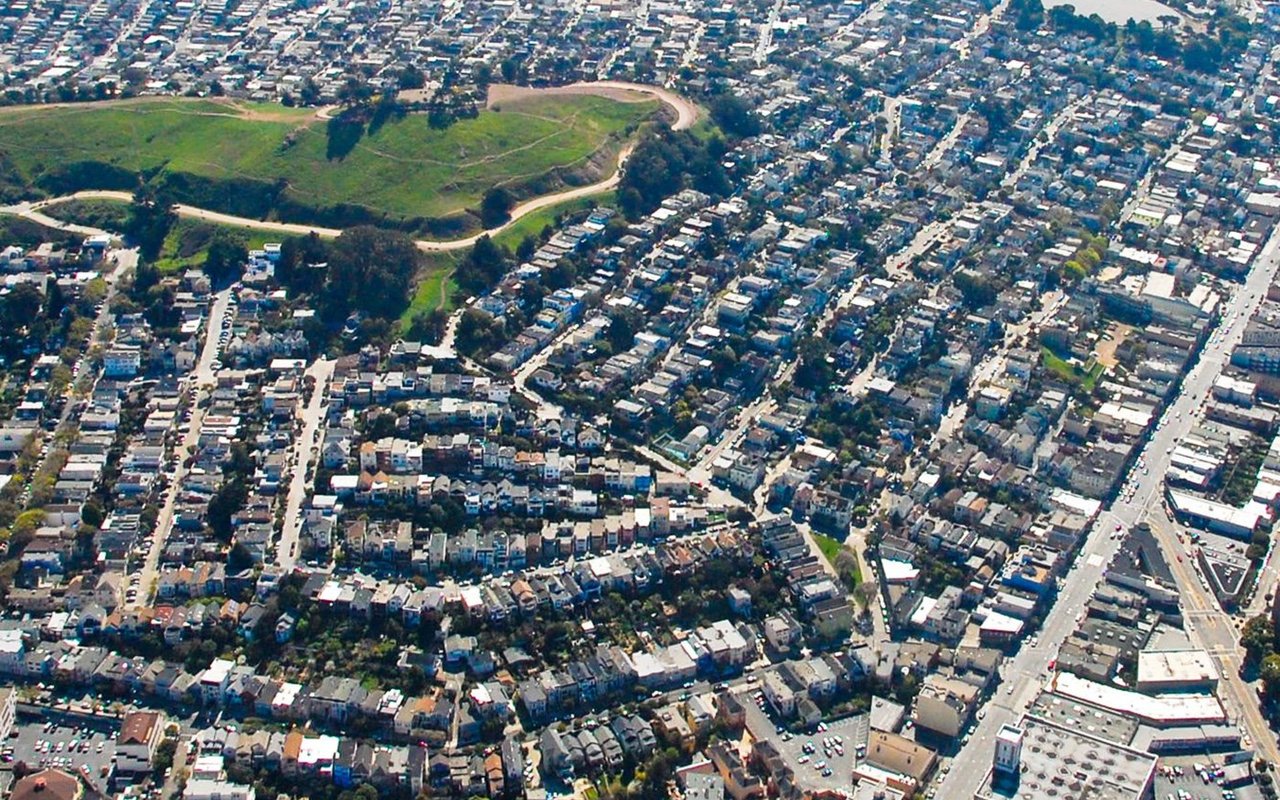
(303, 458)
(199, 385)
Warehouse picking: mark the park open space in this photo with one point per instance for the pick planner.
(215, 151)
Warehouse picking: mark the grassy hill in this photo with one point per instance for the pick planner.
(264, 160)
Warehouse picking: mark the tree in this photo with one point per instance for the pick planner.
(1202, 54)
(723, 360)
(309, 94)
(815, 370)
(527, 247)
(734, 116)
(370, 271)
(495, 207)
(412, 78)
(478, 333)
(864, 593)
(622, 332)
(483, 267)
(163, 760)
(148, 223)
(511, 70)
(1270, 674)
(665, 162)
(388, 106)
(229, 499)
(225, 258)
(92, 514)
(848, 568)
(1257, 638)
(238, 559)
(295, 268)
(976, 290)
(429, 327)
(354, 92)
(1028, 14)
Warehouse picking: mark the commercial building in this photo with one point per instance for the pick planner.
(699, 786)
(944, 705)
(1039, 760)
(1176, 671)
(1159, 710)
(140, 735)
(900, 756)
(1238, 523)
(48, 784)
(207, 789)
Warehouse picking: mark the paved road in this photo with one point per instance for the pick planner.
(1047, 135)
(892, 114)
(1211, 629)
(83, 382)
(980, 27)
(764, 40)
(1026, 671)
(306, 452)
(203, 375)
(33, 212)
(1268, 578)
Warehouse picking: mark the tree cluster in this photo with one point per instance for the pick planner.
(495, 207)
(480, 333)
(150, 220)
(1227, 38)
(483, 267)
(977, 290)
(366, 270)
(370, 271)
(816, 369)
(665, 162)
(734, 116)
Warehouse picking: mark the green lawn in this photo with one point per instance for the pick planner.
(405, 169)
(188, 241)
(110, 215)
(704, 129)
(829, 546)
(849, 569)
(435, 288)
(1071, 373)
(25, 233)
(533, 224)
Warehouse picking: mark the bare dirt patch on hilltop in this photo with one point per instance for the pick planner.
(686, 111)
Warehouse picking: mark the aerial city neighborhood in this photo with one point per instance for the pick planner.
(917, 437)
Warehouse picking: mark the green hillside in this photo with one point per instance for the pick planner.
(264, 160)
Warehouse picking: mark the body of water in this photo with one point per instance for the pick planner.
(1118, 11)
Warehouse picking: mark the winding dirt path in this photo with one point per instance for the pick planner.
(687, 113)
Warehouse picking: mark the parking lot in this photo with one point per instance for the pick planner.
(1191, 786)
(67, 743)
(817, 769)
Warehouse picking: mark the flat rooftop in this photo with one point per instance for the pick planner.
(1165, 710)
(1091, 719)
(1165, 667)
(1060, 763)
